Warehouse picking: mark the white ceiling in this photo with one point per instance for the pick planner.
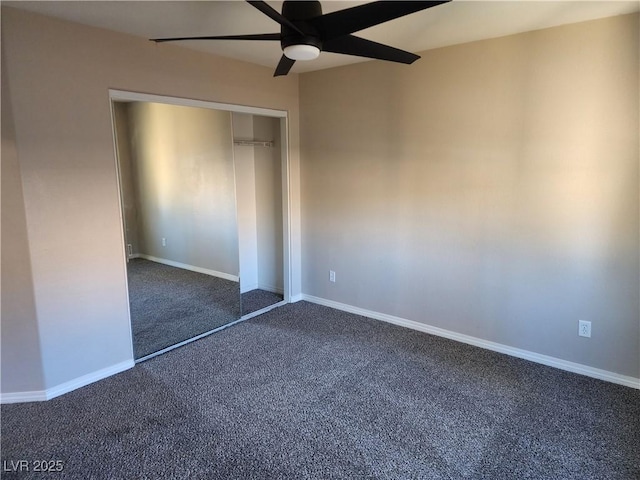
(457, 22)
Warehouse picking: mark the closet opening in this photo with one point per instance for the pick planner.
(205, 215)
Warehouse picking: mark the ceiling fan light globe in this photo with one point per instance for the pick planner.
(301, 52)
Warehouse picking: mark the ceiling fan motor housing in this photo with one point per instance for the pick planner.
(298, 13)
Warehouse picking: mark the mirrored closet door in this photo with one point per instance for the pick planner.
(204, 207)
(177, 185)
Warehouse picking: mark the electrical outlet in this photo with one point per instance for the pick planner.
(584, 328)
(164, 242)
(332, 276)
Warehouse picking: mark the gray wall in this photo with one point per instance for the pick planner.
(59, 73)
(183, 185)
(490, 189)
(20, 350)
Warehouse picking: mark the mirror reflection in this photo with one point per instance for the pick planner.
(202, 198)
(177, 185)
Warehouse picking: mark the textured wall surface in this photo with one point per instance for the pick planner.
(490, 189)
(21, 360)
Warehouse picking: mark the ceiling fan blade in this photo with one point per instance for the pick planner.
(284, 66)
(343, 22)
(360, 47)
(259, 36)
(272, 13)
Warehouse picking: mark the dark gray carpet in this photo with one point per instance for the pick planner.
(170, 305)
(257, 299)
(305, 391)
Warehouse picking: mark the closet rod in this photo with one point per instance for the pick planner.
(253, 143)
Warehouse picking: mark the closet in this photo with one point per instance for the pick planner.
(204, 209)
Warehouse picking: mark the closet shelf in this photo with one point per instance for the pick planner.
(253, 143)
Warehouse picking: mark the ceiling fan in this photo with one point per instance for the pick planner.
(305, 31)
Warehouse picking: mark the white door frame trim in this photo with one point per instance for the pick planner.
(126, 96)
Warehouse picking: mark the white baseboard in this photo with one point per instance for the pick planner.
(23, 397)
(185, 266)
(42, 395)
(296, 298)
(478, 342)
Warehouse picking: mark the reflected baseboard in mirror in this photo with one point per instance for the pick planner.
(169, 305)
